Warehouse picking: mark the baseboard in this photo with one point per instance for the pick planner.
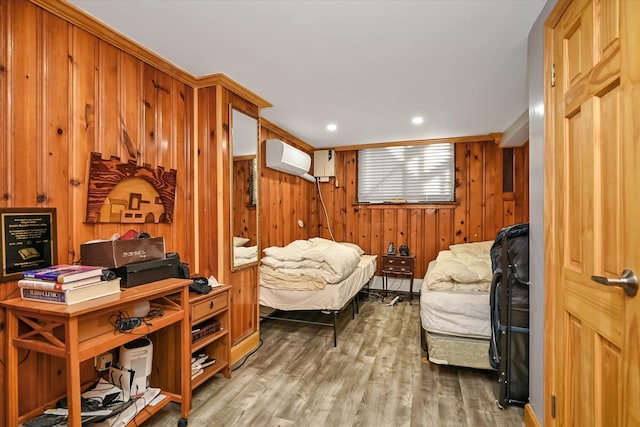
(244, 347)
(530, 419)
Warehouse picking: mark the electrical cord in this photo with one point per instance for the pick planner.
(248, 355)
(125, 324)
(326, 214)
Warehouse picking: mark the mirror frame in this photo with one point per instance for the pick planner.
(256, 183)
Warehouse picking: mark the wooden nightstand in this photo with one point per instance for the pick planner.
(398, 266)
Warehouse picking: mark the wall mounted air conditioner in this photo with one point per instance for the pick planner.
(285, 158)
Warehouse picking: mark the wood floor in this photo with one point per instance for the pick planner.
(374, 377)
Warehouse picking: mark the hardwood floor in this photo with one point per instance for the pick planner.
(374, 377)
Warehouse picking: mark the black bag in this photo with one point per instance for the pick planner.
(200, 285)
(509, 299)
(148, 271)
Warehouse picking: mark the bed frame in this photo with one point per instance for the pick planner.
(468, 352)
(355, 309)
(367, 272)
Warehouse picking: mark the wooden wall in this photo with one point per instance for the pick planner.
(478, 213)
(284, 198)
(63, 94)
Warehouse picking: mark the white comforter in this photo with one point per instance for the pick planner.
(465, 267)
(307, 264)
(244, 255)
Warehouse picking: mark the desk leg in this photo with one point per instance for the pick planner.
(185, 355)
(11, 371)
(73, 373)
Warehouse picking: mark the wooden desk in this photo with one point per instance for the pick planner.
(400, 266)
(79, 332)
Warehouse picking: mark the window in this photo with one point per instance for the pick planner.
(422, 173)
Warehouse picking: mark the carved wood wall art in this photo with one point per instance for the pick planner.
(128, 193)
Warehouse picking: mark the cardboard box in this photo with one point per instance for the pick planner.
(116, 253)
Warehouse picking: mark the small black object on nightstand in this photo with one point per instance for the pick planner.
(391, 249)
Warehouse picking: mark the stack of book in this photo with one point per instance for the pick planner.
(66, 284)
(199, 362)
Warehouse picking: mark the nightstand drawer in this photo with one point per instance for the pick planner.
(203, 309)
(396, 262)
(402, 264)
(397, 269)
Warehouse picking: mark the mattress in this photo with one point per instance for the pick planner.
(456, 313)
(332, 297)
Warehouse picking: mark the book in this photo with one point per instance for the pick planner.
(207, 362)
(195, 372)
(48, 284)
(63, 273)
(73, 295)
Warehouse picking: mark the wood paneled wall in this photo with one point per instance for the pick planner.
(478, 213)
(63, 94)
(284, 199)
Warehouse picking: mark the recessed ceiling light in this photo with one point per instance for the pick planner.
(331, 127)
(417, 120)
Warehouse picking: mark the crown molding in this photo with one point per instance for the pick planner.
(81, 19)
(492, 137)
(270, 126)
(76, 16)
(220, 79)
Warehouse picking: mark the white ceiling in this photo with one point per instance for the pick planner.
(367, 66)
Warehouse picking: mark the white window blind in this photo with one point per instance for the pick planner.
(422, 173)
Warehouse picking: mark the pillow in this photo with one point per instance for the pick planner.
(347, 244)
(477, 248)
(239, 241)
(354, 246)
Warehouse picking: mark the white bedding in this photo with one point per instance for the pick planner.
(321, 261)
(463, 268)
(455, 313)
(244, 255)
(332, 297)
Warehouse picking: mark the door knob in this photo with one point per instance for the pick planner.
(628, 282)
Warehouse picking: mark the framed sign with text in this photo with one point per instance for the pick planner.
(27, 240)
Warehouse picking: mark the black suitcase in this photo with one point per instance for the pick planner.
(509, 349)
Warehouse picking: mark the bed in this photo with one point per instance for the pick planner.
(455, 308)
(314, 275)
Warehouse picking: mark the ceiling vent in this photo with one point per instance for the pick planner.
(285, 158)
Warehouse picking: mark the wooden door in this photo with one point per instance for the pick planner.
(592, 180)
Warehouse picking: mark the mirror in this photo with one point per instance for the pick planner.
(244, 189)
